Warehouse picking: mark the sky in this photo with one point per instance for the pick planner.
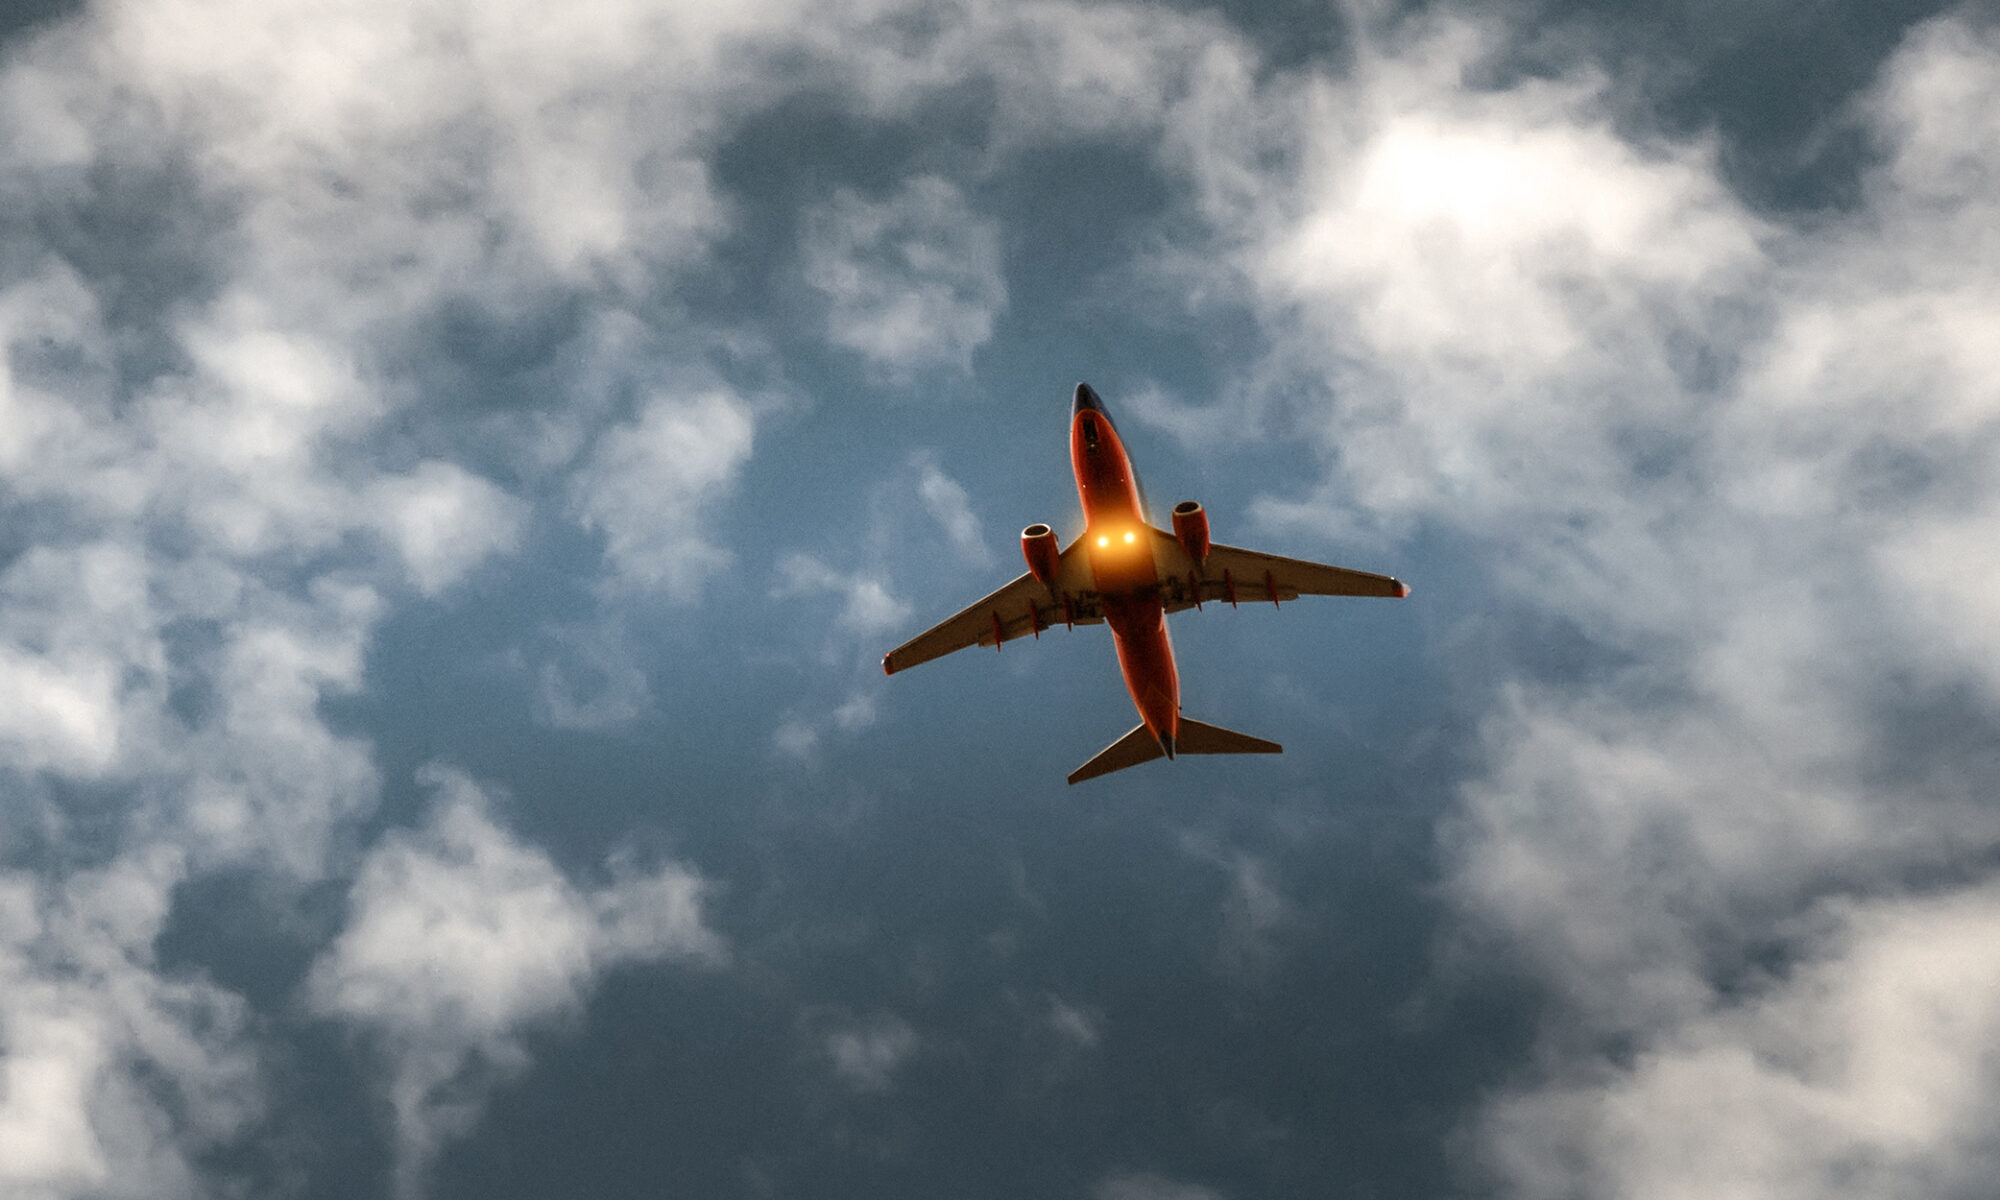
(461, 466)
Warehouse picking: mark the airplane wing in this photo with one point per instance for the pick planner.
(1022, 608)
(1235, 575)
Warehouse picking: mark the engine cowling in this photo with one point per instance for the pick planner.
(1191, 529)
(1038, 546)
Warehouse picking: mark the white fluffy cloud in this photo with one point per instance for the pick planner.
(462, 938)
(1867, 1070)
(93, 1040)
(226, 462)
(649, 482)
(912, 281)
(1753, 466)
(203, 414)
(445, 521)
(1756, 460)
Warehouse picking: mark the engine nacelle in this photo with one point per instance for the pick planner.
(1038, 546)
(1191, 529)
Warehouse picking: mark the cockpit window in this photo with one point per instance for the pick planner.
(1090, 434)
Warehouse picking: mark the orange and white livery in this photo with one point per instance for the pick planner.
(1128, 574)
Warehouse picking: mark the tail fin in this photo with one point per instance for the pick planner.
(1196, 738)
(1129, 751)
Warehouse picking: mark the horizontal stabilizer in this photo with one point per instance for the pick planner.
(1129, 751)
(1197, 738)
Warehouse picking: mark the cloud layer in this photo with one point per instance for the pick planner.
(1742, 465)
(368, 311)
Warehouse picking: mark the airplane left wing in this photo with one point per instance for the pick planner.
(1022, 608)
(1232, 574)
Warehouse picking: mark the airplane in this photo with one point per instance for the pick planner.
(1124, 572)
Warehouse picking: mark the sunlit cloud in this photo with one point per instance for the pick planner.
(1716, 446)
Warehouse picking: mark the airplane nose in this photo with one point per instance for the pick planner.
(1086, 401)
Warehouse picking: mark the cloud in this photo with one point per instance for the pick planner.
(592, 683)
(799, 736)
(114, 1080)
(1749, 467)
(867, 1053)
(867, 610)
(1865, 1069)
(867, 616)
(225, 465)
(912, 282)
(648, 484)
(1075, 1025)
(1253, 913)
(945, 499)
(462, 938)
(1148, 1186)
(445, 521)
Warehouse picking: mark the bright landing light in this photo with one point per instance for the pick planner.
(1130, 535)
(1104, 541)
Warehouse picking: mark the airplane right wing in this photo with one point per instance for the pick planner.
(1232, 574)
(1020, 608)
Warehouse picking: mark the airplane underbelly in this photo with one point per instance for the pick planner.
(1146, 657)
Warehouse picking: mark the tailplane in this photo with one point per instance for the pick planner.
(1140, 746)
(1129, 751)
(1197, 738)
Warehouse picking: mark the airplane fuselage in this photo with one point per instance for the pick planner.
(1121, 560)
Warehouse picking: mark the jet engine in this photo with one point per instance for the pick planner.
(1038, 546)
(1191, 529)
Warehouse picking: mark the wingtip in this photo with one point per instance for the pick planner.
(888, 668)
(1402, 590)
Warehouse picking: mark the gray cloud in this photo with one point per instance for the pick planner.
(1864, 1069)
(1726, 451)
(1652, 408)
(462, 938)
(868, 609)
(1147, 1186)
(649, 482)
(117, 1079)
(867, 1053)
(202, 444)
(946, 501)
(911, 282)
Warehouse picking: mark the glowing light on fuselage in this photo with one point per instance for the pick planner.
(1104, 541)
(1129, 535)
